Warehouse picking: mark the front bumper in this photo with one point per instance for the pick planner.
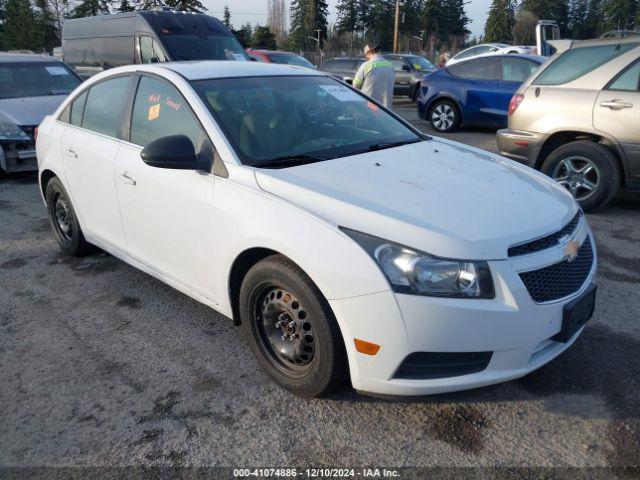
(524, 147)
(512, 326)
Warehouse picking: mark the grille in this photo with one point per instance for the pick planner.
(560, 279)
(546, 242)
(432, 365)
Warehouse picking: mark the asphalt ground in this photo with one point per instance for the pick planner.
(102, 365)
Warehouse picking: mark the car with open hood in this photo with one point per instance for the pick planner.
(344, 242)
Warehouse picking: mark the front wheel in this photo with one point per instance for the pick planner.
(588, 170)
(291, 329)
(444, 116)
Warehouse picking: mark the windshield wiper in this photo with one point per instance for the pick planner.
(290, 160)
(382, 145)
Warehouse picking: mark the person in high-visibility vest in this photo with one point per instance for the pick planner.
(376, 77)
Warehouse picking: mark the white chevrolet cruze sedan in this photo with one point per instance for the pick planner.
(343, 241)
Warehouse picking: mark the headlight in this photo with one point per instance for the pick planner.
(11, 131)
(415, 272)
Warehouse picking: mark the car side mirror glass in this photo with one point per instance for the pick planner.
(174, 151)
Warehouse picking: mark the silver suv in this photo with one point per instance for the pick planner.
(578, 120)
(31, 87)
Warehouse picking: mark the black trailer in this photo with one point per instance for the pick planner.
(93, 44)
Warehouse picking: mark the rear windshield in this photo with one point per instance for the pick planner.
(575, 63)
(35, 79)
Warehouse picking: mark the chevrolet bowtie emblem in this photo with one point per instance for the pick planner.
(570, 251)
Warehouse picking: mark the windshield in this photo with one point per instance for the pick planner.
(203, 47)
(421, 63)
(34, 79)
(290, 59)
(267, 118)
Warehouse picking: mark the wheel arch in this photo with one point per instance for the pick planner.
(449, 97)
(558, 139)
(45, 177)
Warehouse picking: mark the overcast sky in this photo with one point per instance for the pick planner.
(255, 11)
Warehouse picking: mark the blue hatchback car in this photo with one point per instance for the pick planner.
(475, 92)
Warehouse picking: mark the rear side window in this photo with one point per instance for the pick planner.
(85, 52)
(117, 51)
(477, 70)
(158, 111)
(104, 105)
(629, 80)
(517, 69)
(575, 63)
(77, 107)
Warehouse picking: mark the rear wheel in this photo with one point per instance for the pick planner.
(444, 116)
(588, 170)
(291, 329)
(64, 221)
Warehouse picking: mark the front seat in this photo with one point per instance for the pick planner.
(265, 133)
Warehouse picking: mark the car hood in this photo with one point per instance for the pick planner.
(437, 196)
(30, 110)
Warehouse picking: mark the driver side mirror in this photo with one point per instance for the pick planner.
(406, 68)
(174, 152)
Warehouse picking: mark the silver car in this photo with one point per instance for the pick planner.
(31, 87)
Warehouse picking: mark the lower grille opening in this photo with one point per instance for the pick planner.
(431, 365)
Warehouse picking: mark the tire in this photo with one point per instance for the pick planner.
(588, 170)
(64, 221)
(444, 116)
(277, 301)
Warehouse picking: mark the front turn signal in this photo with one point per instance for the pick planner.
(365, 347)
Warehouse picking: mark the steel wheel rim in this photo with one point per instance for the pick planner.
(285, 330)
(62, 215)
(443, 116)
(579, 175)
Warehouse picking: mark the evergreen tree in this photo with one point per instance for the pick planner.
(187, 5)
(46, 27)
(2, 18)
(557, 10)
(244, 35)
(592, 22)
(455, 18)
(576, 19)
(524, 31)
(125, 6)
(619, 14)
(227, 17)
(308, 16)
(263, 37)
(499, 26)
(87, 8)
(20, 25)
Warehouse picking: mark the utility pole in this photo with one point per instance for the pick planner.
(317, 40)
(396, 27)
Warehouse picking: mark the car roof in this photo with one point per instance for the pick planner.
(536, 58)
(604, 41)
(208, 69)
(264, 50)
(26, 57)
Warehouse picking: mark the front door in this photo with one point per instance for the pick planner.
(167, 214)
(617, 112)
(90, 146)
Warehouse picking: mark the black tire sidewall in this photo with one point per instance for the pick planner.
(456, 120)
(77, 245)
(329, 363)
(602, 157)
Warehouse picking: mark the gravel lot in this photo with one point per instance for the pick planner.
(103, 365)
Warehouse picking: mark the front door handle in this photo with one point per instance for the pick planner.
(616, 104)
(127, 179)
(72, 153)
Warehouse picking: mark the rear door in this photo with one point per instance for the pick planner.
(617, 112)
(479, 87)
(89, 146)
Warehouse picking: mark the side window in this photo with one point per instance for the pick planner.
(158, 111)
(517, 69)
(629, 80)
(84, 52)
(478, 70)
(466, 54)
(329, 66)
(117, 51)
(77, 107)
(397, 64)
(150, 51)
(483, 49)
(104, 105)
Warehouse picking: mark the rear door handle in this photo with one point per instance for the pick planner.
(616, 104)
(72, 153)
(127, 179)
